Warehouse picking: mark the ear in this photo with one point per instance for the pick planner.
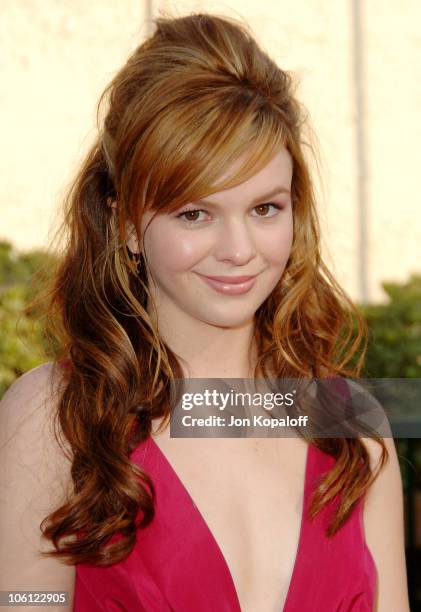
(132, 241)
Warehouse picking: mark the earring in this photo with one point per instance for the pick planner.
(286, 284)
(135, 262)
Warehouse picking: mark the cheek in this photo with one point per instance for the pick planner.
(277, 244)
(170, 252)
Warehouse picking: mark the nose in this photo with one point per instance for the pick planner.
(235, 243)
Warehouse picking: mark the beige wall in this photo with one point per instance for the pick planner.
(56, 57)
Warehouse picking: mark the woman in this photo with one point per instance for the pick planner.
(198, 171)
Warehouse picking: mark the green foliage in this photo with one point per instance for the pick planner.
(394, 349)
(22, 342)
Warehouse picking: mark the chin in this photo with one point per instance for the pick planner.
(229, 319)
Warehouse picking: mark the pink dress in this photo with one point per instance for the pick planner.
(177, 565)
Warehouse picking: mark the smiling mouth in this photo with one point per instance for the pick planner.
(235, 280)
(230, 285)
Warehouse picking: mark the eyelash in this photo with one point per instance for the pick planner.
(185, 212)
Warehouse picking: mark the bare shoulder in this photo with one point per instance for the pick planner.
(31, 396)
(35, 479)
(383, 517)
(27, 413)
(384, 528)
(28, 409)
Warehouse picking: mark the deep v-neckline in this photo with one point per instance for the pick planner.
(212, 538)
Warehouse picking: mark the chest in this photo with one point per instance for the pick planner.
(249, 493)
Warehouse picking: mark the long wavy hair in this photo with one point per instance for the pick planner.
(195, 96)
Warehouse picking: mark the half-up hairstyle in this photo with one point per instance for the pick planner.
(195, 96)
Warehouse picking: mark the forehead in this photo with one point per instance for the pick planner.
(277, 173)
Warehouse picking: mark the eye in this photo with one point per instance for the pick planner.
(190, 216)
(263, 208)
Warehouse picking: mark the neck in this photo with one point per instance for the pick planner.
(209, 351)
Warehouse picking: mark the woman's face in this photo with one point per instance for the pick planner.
(243, 231)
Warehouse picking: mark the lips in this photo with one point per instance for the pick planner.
(230, 285)
(235, 280)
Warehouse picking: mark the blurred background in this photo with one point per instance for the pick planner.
(357, 65)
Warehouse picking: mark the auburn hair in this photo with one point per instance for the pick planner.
(193, 97)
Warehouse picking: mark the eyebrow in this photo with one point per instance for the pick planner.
(274, 192)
